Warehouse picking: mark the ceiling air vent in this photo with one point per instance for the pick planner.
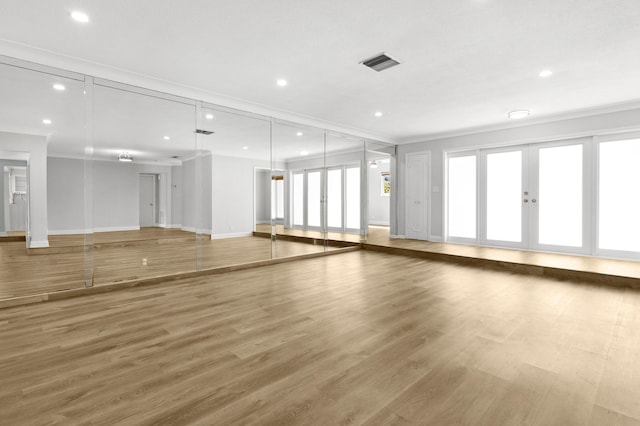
(380, 62)
(204, 132)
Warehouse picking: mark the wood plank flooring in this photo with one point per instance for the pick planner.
(355, 338)
(135, 255)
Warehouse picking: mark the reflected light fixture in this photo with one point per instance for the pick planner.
(126, 157)
(281, 82)
(209, 116)
(59, 87)
(299, 134)
(46, 121)
(80, 16)
(245, 148)
(545, 73)
(519, 114)
(378, 114)
(373, 164)
(304, 153)
(166, 138)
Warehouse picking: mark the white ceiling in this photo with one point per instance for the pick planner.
(464, 63)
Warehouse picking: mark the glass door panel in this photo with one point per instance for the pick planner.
(334, 198)
(352, 189)
(298, 199)
(559, 196)
(461, 205)
(619, 206)
(314, 199)
(504, 196)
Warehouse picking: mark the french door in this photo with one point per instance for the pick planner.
(530, 196)
(327, 199)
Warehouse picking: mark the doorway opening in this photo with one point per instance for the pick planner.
(14, 202)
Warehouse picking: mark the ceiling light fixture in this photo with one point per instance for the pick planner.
(281, 82)
(303, 153)
(59, 87)
(378, 114)
(209, 116)
(519, 114)
(373, 164)
(80, 16)
(46, 121)
(545, 73)
(245, 148)
(166, 138)
(126, 157)
(299, 134)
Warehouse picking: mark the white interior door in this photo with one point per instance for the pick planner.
(416, 204)
(147, 199)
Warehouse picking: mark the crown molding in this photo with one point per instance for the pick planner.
(551, 118)
(67, 63)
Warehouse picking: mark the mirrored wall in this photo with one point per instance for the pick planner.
(107, 183)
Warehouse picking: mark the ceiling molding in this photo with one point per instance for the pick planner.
(583, 113)
(72, 64)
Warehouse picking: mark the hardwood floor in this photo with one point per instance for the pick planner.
(126, 256)
(355, 338)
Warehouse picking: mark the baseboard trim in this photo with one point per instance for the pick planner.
(93, 231)
(397, 236)
(378, 223)
(233, 235)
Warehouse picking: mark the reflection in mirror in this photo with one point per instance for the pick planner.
(238, 144)
(41, 118)
(143, 177)
(298, 156)
(14, 192)
(345, 195)
(381, 166)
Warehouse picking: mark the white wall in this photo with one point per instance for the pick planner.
(36, 148)
(196, 194)
(176, 197)
(263, 195)
(115, 194)
(379, 205)
(557, 130)
(233, 198)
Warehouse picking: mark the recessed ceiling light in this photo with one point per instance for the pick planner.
(80, 16)
(59, 87)
(299, 134)
(281, 82)
(545, 73)
(378, 114)
(245, 148)
(519, 114)
(209, 116)
(46, 121)
(166, 138)
(304, 152)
